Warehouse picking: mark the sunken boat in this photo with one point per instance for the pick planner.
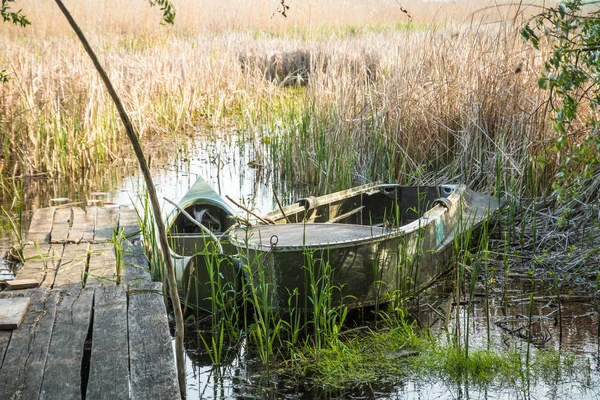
(368, 245)
(195, 230)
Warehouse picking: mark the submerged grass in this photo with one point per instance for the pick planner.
(353, 359)
(479, 367)
(401, 352)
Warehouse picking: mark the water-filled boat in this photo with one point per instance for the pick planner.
(367, 245)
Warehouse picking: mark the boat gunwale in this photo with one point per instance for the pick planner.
(428, 217)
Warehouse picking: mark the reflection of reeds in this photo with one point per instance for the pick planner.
(11, 217)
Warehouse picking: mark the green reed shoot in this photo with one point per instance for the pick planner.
(327, 317)
(150, 239)
(265, 327)
(294, 325)
(217, 343)
(463, 256)
(117, 239)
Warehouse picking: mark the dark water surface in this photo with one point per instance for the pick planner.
(232, 170)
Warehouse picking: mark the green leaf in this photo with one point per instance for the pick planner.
(10, 16)
(167, 8)
(543, 83)
(528, 34)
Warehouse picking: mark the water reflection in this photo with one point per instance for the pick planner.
(243, 376)
(223, 164)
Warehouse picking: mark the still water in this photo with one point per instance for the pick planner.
(231, 168)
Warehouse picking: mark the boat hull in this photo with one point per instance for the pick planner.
(358, 265)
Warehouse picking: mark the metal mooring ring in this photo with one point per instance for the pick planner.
(274, 240)
(442, 201)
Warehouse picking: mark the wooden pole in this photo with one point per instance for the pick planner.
(261, 219)
(137, 147)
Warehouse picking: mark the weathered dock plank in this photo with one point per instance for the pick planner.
(135, 262)
(41, 225)
(91, 213)
(153, 372)
(40, 262)
(52, 263)
(12, 311)
(106, 223)
(63, 217)
(4, 340)
(73, 264)
(62, 376)
(28, 283)
(33, 251)
(102, 268)
(129, 223)
(23, 366)
(123, 326)
(110, 348)
(82, 228)
(4, 335)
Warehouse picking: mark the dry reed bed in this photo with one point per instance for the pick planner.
(460, 100)
(105, 17)
(338, 93)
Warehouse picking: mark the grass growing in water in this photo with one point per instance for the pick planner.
(355, 358)
(117, 241)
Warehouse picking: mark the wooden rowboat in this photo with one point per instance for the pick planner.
(371, 244)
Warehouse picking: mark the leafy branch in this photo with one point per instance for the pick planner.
(10, 16)
(167, 8)
(14, 17)
(571, 75)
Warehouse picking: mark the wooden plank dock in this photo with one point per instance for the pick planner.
(87, 334)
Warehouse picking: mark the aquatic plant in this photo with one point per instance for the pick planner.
(327, 311)
(149, 238)
(479, 368)
(361, 355)
(117, 240)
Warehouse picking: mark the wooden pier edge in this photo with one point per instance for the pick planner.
(84, 335)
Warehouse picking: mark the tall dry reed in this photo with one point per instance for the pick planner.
(336, 93)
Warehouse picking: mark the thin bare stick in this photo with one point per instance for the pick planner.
(197, 223)
(160, 226)
(265, 220)
(187, 293)
(281, 208)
